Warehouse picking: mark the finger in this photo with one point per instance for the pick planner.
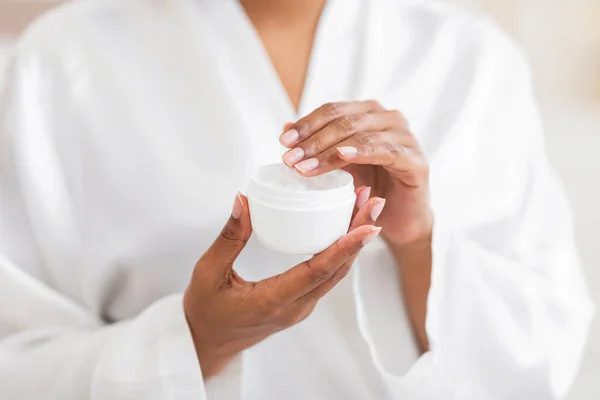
(322, 116)
(219, 258)
(329, 160)
(368, 213)
(376, 148)
(407, 163)
(321, 290)
(341, 129)
(287, 126)
(362, 195)
(305, 277)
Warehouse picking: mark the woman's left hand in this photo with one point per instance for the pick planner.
(376, 146)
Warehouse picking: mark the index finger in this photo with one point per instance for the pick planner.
(322, 116)
(305, 277)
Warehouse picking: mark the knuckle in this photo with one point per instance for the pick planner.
(392, 148)
(345, 251)
(230, 234)
(313, 146)
(319, 277)
(268, 311)
(363, 138)
(411, 136)
(270, 288)
(341, 273)
(273, 297)
(317, 274)
(346, 124)
(331, 159)
(399, 116)
(331, 110)
(305, 127)
(393, 151)
(374, 104)
(368, 152)
(362, 119)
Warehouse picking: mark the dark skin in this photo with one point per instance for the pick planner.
(377, 148)
(287, 29)
(396, 169)
(227, 314)
(388, 158)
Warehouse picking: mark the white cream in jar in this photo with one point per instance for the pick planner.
(298, 215)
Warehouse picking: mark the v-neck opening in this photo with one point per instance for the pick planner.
(270, 66)
(253, 85)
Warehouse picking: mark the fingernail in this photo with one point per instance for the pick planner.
(377, 209)
(369, 238)
(289, 138)
(363, 196)
(293, 156)
(237, 207)
(347, 151)
(307, 165)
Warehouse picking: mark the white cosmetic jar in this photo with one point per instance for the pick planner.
(296, 215)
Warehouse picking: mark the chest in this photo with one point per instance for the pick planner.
(288, 44)
(167, 134)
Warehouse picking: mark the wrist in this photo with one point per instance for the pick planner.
(413, 261)
(212, 363)
(418, 245)
(212, 356)
(417, 236)
(414, 247)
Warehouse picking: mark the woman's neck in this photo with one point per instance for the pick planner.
(275, 12)
(287, 30)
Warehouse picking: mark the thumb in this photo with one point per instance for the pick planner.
(232, 239)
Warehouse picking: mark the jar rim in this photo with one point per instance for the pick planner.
(298, 198)
(345, 178)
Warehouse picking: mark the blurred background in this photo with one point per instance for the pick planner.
(562, 41)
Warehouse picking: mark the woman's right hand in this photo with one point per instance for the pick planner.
(227, 314)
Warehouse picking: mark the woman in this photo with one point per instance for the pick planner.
(128, 126)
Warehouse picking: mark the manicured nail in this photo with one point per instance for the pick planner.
(363, 196)
(289, 138)
(307, 165)
(238, 205)
(377, 209)
(293, 156)
(347, 151)
(369, 238)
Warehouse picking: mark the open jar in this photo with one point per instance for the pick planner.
(297, 215)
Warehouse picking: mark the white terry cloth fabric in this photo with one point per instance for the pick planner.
(126, 129)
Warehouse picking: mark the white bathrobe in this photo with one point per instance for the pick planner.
(127, 126)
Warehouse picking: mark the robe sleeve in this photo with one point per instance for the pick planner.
(508, 312)
(51, 345)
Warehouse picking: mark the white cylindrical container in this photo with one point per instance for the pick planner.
(297, 215)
